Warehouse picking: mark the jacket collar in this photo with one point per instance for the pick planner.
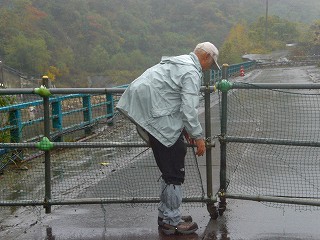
(196, 61)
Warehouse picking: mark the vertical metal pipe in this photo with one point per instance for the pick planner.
(87, 113)
(15, 120)
(1, 73)
(57, 119)
(223, 145)
(207, 114)
(110, 108)
(266, 25)
(46, 116)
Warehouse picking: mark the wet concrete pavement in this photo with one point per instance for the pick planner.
(242, 219)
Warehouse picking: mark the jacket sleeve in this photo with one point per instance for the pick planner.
(190, 102)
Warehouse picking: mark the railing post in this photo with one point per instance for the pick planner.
(16, 133)
(208, 134)
(223, 144)
(110, 108)
(87, 113)
(46, 116)
(57, 119)
(15, 121)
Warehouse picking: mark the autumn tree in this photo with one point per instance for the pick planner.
(98, 60)
(279, 32)
(29, 55)
(236, 44)
(315, 37)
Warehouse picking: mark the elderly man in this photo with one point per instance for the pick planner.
(163, 102)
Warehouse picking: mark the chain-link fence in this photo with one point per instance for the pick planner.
(77, 149)
(271, 143)
(70, 146)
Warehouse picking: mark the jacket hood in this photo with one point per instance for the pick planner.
(189, 60)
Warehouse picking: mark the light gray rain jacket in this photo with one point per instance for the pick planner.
(165, 99)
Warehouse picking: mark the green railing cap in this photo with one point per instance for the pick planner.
(44, 144)
(224, 85)
(42, 91)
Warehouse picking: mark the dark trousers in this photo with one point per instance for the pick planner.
(170, 160)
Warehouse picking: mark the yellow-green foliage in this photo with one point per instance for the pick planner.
(4, 117)
(81, 38)
(236, 44)
(256, 38)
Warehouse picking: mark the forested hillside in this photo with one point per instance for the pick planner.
(72, 39)
(305, 11)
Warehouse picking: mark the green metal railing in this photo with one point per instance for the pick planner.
(54, 128)
(53, 113)
(17, 122)
(240, 92)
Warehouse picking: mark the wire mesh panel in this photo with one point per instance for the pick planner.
(19, 122)
(117, 172)
(20, 180)
(272, 169)
(86, 172)
(274, 114)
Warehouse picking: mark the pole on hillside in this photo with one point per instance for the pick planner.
(1, 74)
(266, 27)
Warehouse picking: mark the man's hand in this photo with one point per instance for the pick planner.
(201, 147)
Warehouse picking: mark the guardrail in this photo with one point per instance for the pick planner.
(27, 114)
(268, 143)
(289, 62)
(232, 70)
(56, 189)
